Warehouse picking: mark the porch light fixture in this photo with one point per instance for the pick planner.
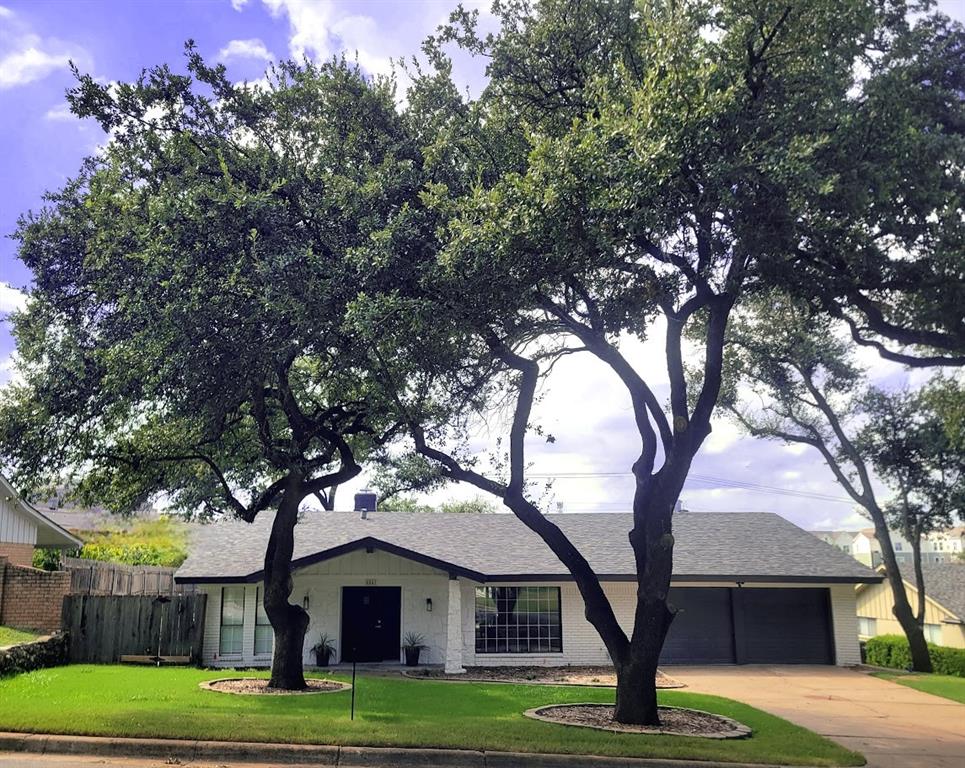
(429, 604)
(305, 602)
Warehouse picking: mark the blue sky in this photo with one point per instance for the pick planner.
(43, 145)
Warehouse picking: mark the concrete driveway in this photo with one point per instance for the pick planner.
(892, 725)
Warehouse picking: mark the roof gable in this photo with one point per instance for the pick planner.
(49, 534)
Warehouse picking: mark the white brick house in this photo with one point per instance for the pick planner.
(484, 590)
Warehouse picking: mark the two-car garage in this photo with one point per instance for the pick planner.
(749, 625)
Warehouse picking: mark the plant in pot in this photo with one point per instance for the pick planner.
(324, 649)
(412, 645)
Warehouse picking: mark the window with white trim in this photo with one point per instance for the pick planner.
(518, 620)
(264, 634)
(867, 626)
(933, 633)
(232, 620)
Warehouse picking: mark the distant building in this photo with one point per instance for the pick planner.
(863, 545)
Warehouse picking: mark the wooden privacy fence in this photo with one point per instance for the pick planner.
(105, 627)
(92, 577)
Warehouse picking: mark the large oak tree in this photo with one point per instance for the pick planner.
(634, 169)
(186, 331)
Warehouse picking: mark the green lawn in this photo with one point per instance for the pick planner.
(135, 701)
(948, 686)
(11, 636)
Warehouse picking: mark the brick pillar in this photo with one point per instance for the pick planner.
(454, 628)
(33, 599)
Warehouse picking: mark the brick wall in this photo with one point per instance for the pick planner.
(18, 554)
(32, 599)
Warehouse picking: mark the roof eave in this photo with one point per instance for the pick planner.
(530, 577)
(67, 539)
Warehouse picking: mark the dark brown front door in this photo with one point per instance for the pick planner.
(371, 623)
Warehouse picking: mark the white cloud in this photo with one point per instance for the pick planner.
(59, 113)
(238, 4)
(252, 48)
(11, 298)
(26, 57)
(319, 30)
(29, 64)
(723, 435)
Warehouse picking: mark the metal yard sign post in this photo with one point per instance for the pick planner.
(352, 716)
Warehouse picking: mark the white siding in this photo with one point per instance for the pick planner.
(212, 623)
(15, 526)
(845, 625)
(322, 583)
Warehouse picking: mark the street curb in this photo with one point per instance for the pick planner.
(346, 757)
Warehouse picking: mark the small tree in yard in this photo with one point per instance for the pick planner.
(810, 392)
(185, 331)
(914, 444)
(632, 169)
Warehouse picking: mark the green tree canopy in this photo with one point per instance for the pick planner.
(187, 330)
(644, 168)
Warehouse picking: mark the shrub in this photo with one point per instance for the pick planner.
(948, 661)
(147, 542)
(49, 559)
(892, 651)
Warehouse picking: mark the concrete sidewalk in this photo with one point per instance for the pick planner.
(892, 725)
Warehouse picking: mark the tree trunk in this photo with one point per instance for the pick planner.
(290, 622)
(636, 701)
(637, 693)
(919, 577)
(652, 542)
(920, 658)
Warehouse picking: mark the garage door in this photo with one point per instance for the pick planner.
(783, 626)
(720, 625)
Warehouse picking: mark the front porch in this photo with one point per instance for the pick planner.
(365, 602)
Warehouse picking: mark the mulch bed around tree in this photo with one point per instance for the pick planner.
(574, 675)
(674, 721)
(259, 687)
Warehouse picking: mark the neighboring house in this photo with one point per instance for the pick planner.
(863, 546)
(81, 519)
(23, 527)
(485, 590)
(843, 540)
(944, 605)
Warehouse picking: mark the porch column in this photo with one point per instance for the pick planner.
(454, 629)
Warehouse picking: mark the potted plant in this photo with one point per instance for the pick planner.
(413, 644)
(324, 650)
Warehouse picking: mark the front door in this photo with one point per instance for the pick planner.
(371, 623)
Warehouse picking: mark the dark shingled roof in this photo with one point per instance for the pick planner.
(739, 546)
(944, 583)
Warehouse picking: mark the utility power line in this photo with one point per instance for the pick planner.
(719, 482)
